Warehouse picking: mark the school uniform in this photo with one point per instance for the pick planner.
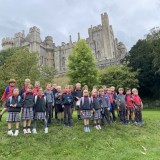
(79, 94)
(112, 97)
(129, 103)
(54, 91)
(27, 104)
(86, 107)
(13, 112)
(40, 108)
(50, 102)
(97, 109)
(105, 105)
(58, 102)
(122, 107)
(67, 99)
(138, 111)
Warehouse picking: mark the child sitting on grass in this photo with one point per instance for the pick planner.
(14, 107)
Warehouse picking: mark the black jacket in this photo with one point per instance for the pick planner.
(86, 104)
(40, 105)
(14, 100)
(28, 100)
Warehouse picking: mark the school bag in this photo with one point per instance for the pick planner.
(68, 99)
(90, 100)
(7, 89)
(10, 99)
(35, 100)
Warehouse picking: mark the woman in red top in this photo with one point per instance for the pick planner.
(8, 92)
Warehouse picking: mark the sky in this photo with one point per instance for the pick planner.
(130, 19)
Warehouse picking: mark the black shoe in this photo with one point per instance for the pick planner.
(0, 117)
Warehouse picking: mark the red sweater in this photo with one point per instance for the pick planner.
(136, 99)
(6, 95)
(129, 102)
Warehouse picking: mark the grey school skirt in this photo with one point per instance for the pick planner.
(40, 115)
(97, 114)
(86, 114)
(27, 114)
(13, 117)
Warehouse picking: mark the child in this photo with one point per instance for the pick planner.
(111, 104)
(40, 108)
(36, 87)
(78, 93)
(50, 102)
(129, 105)
(67, 100)
(14, 108)
(86, 109)
(27, 82)
(54, 90)
(96, 109)
(105, 105)
(121, 105)
(27, 111)
(7, 93)
(138, 105)
(71, 89)
(58, 105)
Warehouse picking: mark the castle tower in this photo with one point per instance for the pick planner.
(49, 50)
(18, 39)
(7, 43)
(34, 39)
(106, 36)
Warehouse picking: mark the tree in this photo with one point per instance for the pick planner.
(5, 54)
(118, 76)
(141, 60)
(82, 66)
(23, 64)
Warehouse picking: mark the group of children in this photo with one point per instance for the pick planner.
(32, 103)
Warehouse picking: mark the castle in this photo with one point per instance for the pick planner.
(105, 48)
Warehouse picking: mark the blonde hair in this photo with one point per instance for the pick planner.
(134, 90)
(58, 87)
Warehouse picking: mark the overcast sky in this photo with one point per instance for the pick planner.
(131, 19)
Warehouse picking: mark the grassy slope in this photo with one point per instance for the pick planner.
(111, 143)
(62, 81)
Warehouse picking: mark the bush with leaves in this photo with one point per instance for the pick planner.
(82, 66)
(118, 76)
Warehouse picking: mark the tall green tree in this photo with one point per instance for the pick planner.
(23, 64)
(118, 76)
(141, 59)
(82, 66)
(5, 54)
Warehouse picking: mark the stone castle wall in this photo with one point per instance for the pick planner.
(105, 47)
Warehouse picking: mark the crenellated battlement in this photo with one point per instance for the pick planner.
(19, 35)
(7, 41)
(34, 29)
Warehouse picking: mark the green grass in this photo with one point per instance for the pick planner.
(116, 142)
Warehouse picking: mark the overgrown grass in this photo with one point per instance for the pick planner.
(115, 142)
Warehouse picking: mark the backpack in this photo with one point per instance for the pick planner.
(7, 90)
(90, 100)
(35, 100)
(10, 99)
(68, 99)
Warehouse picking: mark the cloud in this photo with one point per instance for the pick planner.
(131, 19)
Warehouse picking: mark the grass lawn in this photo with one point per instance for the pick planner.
(115, 142)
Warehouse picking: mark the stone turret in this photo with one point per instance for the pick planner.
(7, 43)
(49, 41)
(18, 39)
